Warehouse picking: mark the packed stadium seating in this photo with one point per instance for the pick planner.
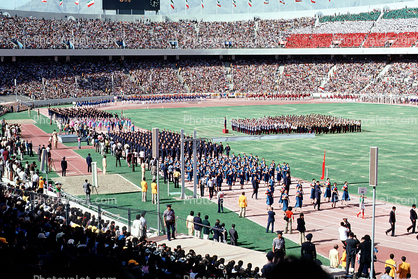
(352, 17)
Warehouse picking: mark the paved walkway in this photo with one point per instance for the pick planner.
(324, 224)
(76, 164)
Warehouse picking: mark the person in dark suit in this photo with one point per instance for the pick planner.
(392, 221)
(89, 161)
(233, 235)
(63, 167)
(318, 193)
(413, 218)
(308, 250)
(365, 248)
(270, 220)
(301, 228)
(286, 182)
(216, 231)
(30, 148)
(39, 153)
(256, 184)
(351, 250)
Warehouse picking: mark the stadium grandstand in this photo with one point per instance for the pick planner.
(187, 55)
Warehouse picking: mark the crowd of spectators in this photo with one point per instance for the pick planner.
(48, 79)
(351, 76)
(255, 76)
(152, 77)
(400, 79)
(35, 33)
(303, 75)
(374, 15)
(204, 76)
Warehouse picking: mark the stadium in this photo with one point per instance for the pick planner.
(238, 90)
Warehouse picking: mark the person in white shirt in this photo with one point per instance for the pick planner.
(135, 226)
(142, 226)
(343, 231)
(334, 257)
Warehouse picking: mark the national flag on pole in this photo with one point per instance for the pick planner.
(218, 3)
(60, 2)
(298, 0)
(266, 2)
(76, 2)
(172, 4)
(323, 167)
(313, 1)
(187, 4)
(282, 1)
(250, 3)
(90, 3)
(234, 3)
(43, 1)
(201, 3)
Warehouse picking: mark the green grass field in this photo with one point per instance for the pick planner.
(394, 129)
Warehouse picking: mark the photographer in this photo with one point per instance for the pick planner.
(87, 190)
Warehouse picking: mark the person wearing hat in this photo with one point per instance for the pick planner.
(279, 247)
(63, 167)
(308, 249)
(268, 269)
(169, 221)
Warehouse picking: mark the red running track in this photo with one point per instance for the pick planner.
(76, 164)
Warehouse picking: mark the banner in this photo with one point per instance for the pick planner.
(323, 167)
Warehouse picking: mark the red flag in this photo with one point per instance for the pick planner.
(323, 167)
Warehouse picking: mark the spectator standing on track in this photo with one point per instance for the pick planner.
(343, 231)
(88, 161)
(392, 264)
(404, 268)
(334, 257)
(63, 167)
(351, 249)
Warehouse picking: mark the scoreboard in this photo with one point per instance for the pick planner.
(148, 5)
